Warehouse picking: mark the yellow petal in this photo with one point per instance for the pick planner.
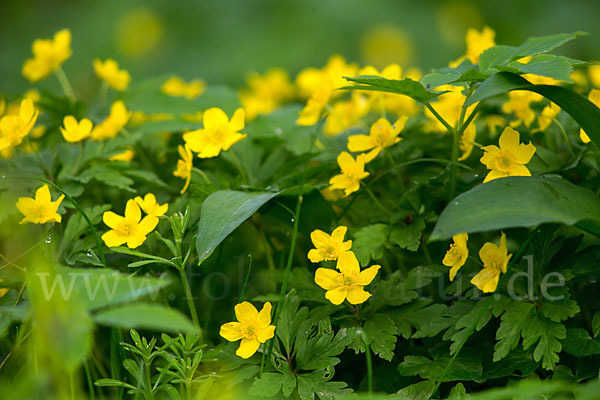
(327, 278)
(345, 160)
(509, 140)
(237, 121)
(247, 348)
(489, 252)
(135, 241)
(347, 263)
(338, 234)
(489, 156)
(360, 143)
(114, 238)
(366, 276)
(264, 316)
(42, 195)
(315, 256)
(319, 238)
(519, 170)
(494, 174)
(357, 295)
(214, 118)
(583, 136)
(336, 296)
(132, 211)
(231, 331)
(265, 334)
(147, 224)
(246, 312)
(486, 280)
(112, 220)
(524, 153)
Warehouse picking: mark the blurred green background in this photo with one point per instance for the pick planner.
(221, 41)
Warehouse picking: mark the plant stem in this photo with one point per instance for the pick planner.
(246, 280)
(377, 202)
(284, 284)
(565, 136)
(64, 83)
(369, 362)
(453, 169)
(190, 299)
(148, 385)
(488, 301)
(88, 376)
(439, 118)
(236, 161)
(199, 171)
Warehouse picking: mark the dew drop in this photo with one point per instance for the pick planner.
(3, 176)
(293, 219)
(89, 253)
(48, 240)
(456, 203)
(278, 131)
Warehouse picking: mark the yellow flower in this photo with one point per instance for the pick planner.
(218, 134)
(381, 136)
(457, 255)
(349, 283)
(449, 106)
(594, 73)
(478, 42)
(328, 247)
(467, 140)
(352, 173)
(48, 56)
(510, 158)
(175, 86)
(74, 131)
(266, 92)
(125, 156)
(3, 291)
(547, 115)
(346, 114)
(519, 104)
(113, 124)
(13, 128)
(131, 229)
(253, 328)
(110, 73)
(41, 209)
(149, 205)
(594, 97)
(495, 260)
(319, 85)
(184, 166)
(399, 105)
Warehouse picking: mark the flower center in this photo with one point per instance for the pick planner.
(505, 161)
(330, 253)
(248, 329)
(127, 228)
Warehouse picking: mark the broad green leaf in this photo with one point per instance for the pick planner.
(435, 79)
(546, 65)
(318, 382)
(407, 87)
(100, 287)
(583, 111)
(271, 383)
(222, 212)
(380, 332)
(145, 316)
(579, 343)
(369, 242)
(408, 236)
(596, 324)
(516, 202)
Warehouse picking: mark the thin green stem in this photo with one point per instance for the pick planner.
(47, 170)
(284, 284)
(376, 201)
(199, 171)
(453, 169)
(88, 377)
(190, 299)
(439, 117)
(565, 136)
(79, 154)
(484, 310)
(369, 362)
(64, 83)
(246, 279)
(236, 161)
(148, 383)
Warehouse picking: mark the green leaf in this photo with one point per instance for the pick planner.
(435, 79)
(105, 174)
(583, 111)
(407, 87)
(458, 392)
(516, 202)
(408, 236)
(369, 243)
(146, 316)
(318, 382)
(579, 343)
(464, 324)
(548, 335)
(596, 323)
(113, 383)
(559, 310)
(463, 368)
(381, 336)
(416, 391)
(77, 226)
(549, 65)
(513, 320)
(271, 383)
(222, 212)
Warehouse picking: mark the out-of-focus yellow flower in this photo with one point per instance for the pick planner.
(131, 229)
(495, 260)
(510, 158)
(449, 106)
(345, 114)
(139, 31)
(175, 86)
(594, 97)
(494, 121)
(48, 56)
(349, 283)
(110, 73)
(184, 166)
(519, 104)
(353, 171)
(253, 328)
(328, 247)
(113, 124)
(381, 136)
(3, 291)
(548, 114)
(478, 42)
(384, 44)
(74, 131)
(218, 133)
(13, 128)
(580, 78)
(41, 209)
(594, 73)
(125, 156)
(38, 131)
(193, 117)
(319, 85)
(457, 255)
(150, 206)
(467, 140)
(266, 92)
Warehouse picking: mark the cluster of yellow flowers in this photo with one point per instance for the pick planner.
(131, 228)
(495, 260)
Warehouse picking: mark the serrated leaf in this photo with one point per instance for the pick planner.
(511, 326)
(548, 335)
(579, 343)
(320, 351)
(318, 382)
(416, 391)
(222, 212)
(106, 175)
(369, 243)
(479, 316)
(408, 236)
(559, 310)
(271, 383)
(463, 368)
(406, 87)
(516, 202)
(380, 333)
